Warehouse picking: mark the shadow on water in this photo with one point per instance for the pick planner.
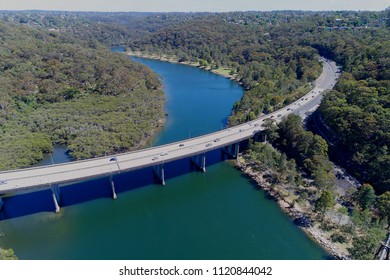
(19, 205)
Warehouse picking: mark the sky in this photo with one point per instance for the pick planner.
(192, 5)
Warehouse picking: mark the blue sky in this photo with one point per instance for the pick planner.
(193, 5)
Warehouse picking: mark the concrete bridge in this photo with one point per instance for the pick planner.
(195, 148)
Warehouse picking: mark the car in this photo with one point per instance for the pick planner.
(288, 109)
(163, 154)
(2, 182)
(181, 145)
(192, 147)
(113, 159)
(154, 158)
(272, 117)
(256, 124)
(216, 140)
(209, 145)
(279, 115)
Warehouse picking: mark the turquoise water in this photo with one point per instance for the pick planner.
(214, 215)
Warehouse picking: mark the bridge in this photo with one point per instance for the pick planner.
(195, 148)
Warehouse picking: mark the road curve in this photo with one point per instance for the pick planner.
(43, 177)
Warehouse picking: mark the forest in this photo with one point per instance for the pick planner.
(58, 89)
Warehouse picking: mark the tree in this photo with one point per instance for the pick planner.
(270, 133)
(7, 254)
(383, 206)
(365, 196)
(364, 247)
(362, 218)
(319, 146)
(342, 211)
(325, 202)
(323, 180)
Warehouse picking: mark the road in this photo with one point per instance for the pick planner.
(47, 176)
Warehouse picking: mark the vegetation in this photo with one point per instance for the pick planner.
(7, 254)
(59, 89)
(383, 206)
(325, 202)
(365, 196)
(304, 177)
(267, 159)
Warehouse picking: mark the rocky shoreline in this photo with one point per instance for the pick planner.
(292, 211)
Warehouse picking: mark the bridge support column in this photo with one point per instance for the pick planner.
(200, 161)
(233, 150)
(236, 150)
(383, 252)
(159, 172)
(56, 198)
(114, 196)
(1, 202)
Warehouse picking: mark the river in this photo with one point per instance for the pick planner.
(219, 214)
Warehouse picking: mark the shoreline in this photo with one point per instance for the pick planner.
(314, 233)
(165, 58)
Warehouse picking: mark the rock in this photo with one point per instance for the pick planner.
(303, 221)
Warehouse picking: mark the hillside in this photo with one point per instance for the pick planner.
(58, 89)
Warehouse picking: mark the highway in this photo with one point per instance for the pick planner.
(47, 176)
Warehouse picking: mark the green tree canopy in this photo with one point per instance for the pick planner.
(325, 202)
(383, 206)
(7, 254)
(365, 196)
(364, 247)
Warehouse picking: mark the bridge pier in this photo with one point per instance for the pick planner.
(114, 196)
(200, 161)
(383, 252)
(159, 172)
(56, 197)
(1, 203)
(233, 150)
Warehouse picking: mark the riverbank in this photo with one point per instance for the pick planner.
(224, 72)
(288, 205)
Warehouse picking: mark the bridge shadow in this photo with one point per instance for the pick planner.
(19, 205)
